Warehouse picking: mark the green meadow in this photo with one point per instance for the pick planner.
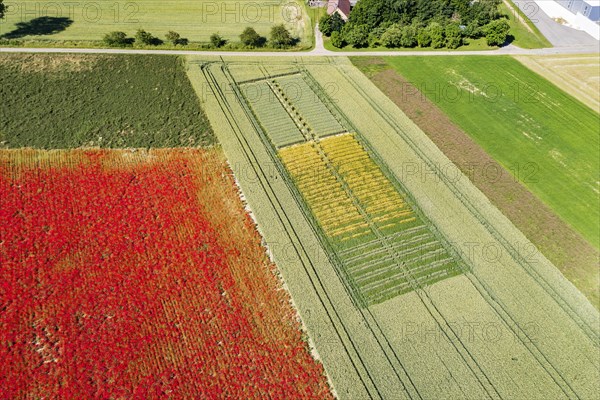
(545, 137)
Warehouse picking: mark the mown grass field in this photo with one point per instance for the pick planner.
(576, 74)
(195, 20)
(66, 101)
(566, 248)
(545, 137)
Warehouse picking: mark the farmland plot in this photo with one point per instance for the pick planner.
(273, 115)
(368, 223)
(410, 345)
(578, 75)
(70, 100)
(195, 20)
(154, 286)
(384, 248)
(318, 118)
(546, 138)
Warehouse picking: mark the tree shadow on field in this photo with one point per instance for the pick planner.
(38, 27)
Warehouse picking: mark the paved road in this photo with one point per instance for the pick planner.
(557, 34)
(508, 50)
(320, 51)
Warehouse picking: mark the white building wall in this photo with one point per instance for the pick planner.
(576, 20)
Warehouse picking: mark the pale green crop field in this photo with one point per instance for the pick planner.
(194, 20)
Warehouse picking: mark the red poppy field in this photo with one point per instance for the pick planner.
(139, 274)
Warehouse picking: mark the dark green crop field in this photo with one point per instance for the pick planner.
(66, 101)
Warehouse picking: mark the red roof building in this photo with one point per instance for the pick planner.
(342, 7)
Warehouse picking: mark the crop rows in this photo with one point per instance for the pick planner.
(300, 94)
(289, 110)
(274, 118)
(384, 248)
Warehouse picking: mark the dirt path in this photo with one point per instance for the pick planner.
(563, 246)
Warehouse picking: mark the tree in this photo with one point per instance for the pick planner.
(373, 12)
(217, 40)
(331, 23)
(424, 38)
(356, 35)
(374, 39)
(325, 25)
(175, 38)
(337, 40)
(472, 30)
(250, 37)
(337, 23)
(143, 37)
(375, 34)
(496, 32)
(420, 13)
(117, 39)
(436, 32)
(392, 37)
(281, 37)
(483, 12)
(2, 9)
(453, 36)
(409, 36)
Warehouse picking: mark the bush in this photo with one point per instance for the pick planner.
(472, 30)
(436, 32)
(424, 38)
(392, 37)
(453, 36)
(175, 38)
(409, 36)
(374, 39)
(117, 39)
(337, 40)
(496, 32)
(217, 40)
(375, 35)
(356, 35)
(250, 37)
(143, 37)
(281, 37)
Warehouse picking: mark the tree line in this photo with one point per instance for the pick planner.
(423, 23)
(279, 38)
